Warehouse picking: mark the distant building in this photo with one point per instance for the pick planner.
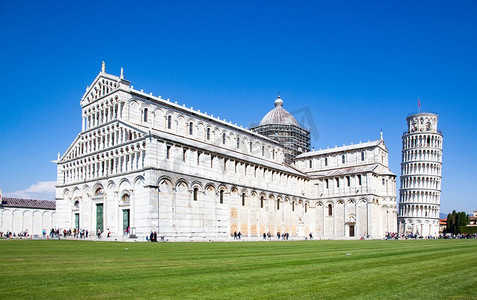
(142, 163)
(26, 215)
(442, 225)
(421, 176)
(473, 219)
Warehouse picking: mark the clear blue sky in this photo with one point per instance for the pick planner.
(357, 66)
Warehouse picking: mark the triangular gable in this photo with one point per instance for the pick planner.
(74, 150)
(383, 145)
(102, 85)
(70, 149)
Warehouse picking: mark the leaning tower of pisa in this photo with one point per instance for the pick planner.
(419, 201)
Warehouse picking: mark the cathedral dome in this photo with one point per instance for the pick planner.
(278, 115)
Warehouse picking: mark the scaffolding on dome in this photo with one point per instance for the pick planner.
(294, 139)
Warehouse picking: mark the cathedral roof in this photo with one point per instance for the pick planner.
(342, 149)
(279, 116)
(374, 168)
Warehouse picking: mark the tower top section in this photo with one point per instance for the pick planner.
(422, 122)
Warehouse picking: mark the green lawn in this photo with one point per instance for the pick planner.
(435, 269)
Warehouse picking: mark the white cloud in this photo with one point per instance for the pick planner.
(42, 190)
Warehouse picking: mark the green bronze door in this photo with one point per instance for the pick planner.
(77, 221)
(125, 221)
(99, 217)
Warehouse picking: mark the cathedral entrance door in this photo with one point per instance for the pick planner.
(351, 230)
(300, 229)
(77, 225)
(125, 221)
(99, 217)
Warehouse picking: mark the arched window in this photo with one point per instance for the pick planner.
(326, 161)
(343, 158)
(191, 128)
(221, 196)
(243, 199)
(145, 115)
(330, 210)
(293, 206)
(362, 155)
(251, 147)
(306, 207)
(76, 204)
(238, 142)
(99, 192)
(208, 133)
(261, 202)
(337, 182)
(169, 122)
(278, 204)
(311, 163)
(223, 138)
(125, 198)
(196, 193)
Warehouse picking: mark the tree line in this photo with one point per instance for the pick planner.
(455, 220)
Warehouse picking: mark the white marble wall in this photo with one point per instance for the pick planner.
(17, 219)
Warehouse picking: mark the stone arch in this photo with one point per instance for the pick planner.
(223, 187)
(66, 193)
(124, 184)
(111, 185)
(138, 181)
(210, 188)
(123, 181)
(182, 187)
(182, 181)
(165, 184)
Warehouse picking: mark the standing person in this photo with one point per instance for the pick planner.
(239, 235)
(235, 235)
(151, 236)
(99, 233)
(155, 236)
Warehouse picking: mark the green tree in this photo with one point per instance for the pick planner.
(455, 220)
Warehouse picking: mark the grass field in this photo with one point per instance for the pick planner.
(423, 269)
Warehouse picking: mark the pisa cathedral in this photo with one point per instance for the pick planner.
(142, 163)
